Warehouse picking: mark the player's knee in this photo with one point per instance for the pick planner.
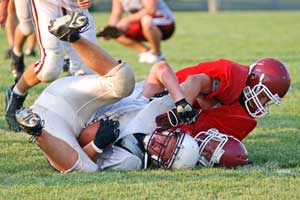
(50, 66)
(147, 22)
(123, 81)
(26, 27)
(160, 66)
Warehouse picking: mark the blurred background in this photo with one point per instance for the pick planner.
(214, 5)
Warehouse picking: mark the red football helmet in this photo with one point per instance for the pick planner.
(172, 149)
(217, 149)
(268, 78)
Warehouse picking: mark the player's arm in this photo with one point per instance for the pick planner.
(149, 9)
(84, 4)
(116, 13)
(106, 134)
(195, 85)
(3, 11)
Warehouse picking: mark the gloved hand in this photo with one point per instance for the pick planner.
(107, 134)
(187, 114)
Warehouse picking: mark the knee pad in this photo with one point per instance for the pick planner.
(26, 27)
(49, 66)
(122, 79)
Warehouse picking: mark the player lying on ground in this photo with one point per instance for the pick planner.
(67, 104)
(229, 96)
(227, 102)
(136, 117)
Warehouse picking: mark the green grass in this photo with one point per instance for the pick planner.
(274, 145)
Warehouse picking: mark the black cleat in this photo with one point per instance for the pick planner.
(17, 66)
(13, 102)
(30, 122)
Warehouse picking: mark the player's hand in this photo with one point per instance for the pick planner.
(168, 119)
(187, 114)
(109, 32)
(84, 4)
(123, 24)
(107, 134)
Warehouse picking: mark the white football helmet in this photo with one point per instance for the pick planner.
(172, 149)
(218, 149)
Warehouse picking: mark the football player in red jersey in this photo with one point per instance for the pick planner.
(229, 95)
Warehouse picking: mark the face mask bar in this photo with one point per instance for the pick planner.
(211, 135)
(252, 100)
(163, 146)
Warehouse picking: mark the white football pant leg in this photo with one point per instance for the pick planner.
(23, 11)
(58, 128)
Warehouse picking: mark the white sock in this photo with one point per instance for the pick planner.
(18, 92)
(17, 53)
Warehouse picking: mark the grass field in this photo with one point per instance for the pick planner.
(274, 145)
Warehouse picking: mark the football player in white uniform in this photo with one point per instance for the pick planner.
(148, 20)
(67, 104)
(50, 63)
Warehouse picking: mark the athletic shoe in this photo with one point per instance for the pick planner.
(30, 121)
(13, 102)
(148, 57)
(17, 66)
(68, 27)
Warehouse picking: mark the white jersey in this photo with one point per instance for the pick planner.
(135, 5)
(135, 113)
(125, 109)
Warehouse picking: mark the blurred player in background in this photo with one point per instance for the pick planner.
(10, 27)
(50, 63)
(23, 31)
(149, 20)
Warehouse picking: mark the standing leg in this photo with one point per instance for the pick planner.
(10, 27)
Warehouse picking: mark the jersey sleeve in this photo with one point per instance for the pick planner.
(231, 77)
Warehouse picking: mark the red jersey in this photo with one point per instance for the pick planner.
(228, 119)
(231, 117)
(232, 77)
